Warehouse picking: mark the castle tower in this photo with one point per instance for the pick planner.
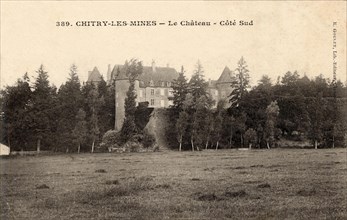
(223, 84)
(121, 87)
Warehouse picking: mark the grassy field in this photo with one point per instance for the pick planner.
(257, 184)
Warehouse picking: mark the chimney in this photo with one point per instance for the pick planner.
(153, 66)
(109, 72)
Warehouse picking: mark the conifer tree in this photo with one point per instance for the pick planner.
(70, 100)
(43, 108)
(15, 107)
(94, 102)
(240, 84)
(133, 70)
(80, 130)
(180, 90)
(197, 84)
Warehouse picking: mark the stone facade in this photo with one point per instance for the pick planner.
(154, 86)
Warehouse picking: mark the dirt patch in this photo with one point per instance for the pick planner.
(100, 171)
(264, 185)
(163, 186)
(257, 166)
(205, 197)
(235, 194)
(306, 192)
(42, 186)
(209, 169)
(112, 182)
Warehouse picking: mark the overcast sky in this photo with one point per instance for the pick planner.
(285, 36)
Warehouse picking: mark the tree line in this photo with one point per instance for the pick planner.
(38, 116)
(295, 108)
(35, 115)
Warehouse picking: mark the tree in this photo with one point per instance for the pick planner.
(218, 122)
(240, 84)
(199, 124)
(181, 127)
(316, 119)
(290, 79)
(210, 125)
(189, 108)
(15, 118)
(94, 102)
(43, 109)
(70, 101)
(107, 112)
(260, 135)
(133, 70)
(240, 126)
(197, 84)
(272, 112)
(180, 90)
(250, 137)
(229, 128)
(265, 82)
(80, 130)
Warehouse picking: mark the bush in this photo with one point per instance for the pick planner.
(112, 139)
(133, 146)
(140, 142)
(148, 140)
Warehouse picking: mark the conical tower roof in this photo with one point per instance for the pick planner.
(226, 76)
(94, 76)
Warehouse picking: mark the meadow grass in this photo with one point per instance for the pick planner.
(253, 184)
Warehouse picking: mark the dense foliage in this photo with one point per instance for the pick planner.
(296, 109)
(38, 116)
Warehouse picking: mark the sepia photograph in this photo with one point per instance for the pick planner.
(173, 110)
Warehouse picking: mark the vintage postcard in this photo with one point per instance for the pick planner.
(173, 110)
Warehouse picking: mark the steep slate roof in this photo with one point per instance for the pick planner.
(161, 74)
(94, 76)
(226, 76)
(212, 83)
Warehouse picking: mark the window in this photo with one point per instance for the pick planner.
(216, 92)
(141, 93)
(162, 103)
(170, 93)
(152, 102)
(161, 91)
(152, 91)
